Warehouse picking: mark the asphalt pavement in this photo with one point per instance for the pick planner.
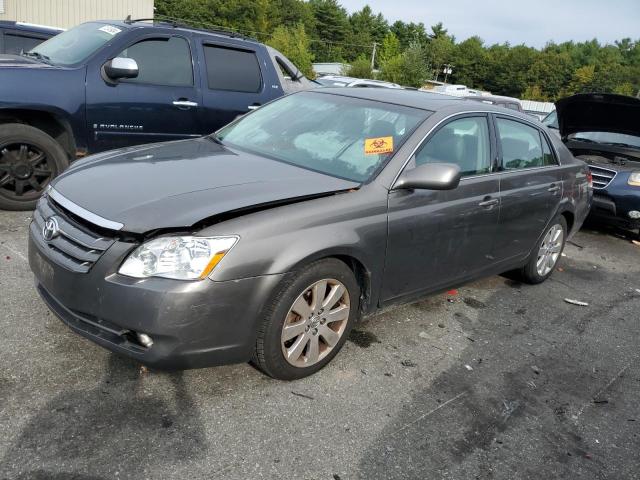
(497, 381)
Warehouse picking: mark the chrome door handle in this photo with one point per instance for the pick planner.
(253, 107)
(184, 103)
(554, 188)
(489, 203)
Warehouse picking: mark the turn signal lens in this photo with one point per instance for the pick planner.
(179, 258)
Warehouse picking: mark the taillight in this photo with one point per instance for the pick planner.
(590, 178)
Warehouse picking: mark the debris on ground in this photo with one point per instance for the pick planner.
(388, 374)
(297, 394)
(441, 325)
(426, 335)
(143, 370)
(468, 367)
(452, 292)
(408, 363)
(636, 242)
(560, 269)
(535, 369)
(600, 401)
(576, 302)
(575, 244)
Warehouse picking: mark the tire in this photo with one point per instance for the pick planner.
(531, 273)
(29, 160)
(271, 346)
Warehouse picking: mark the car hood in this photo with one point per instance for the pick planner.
(18, 61)
(178, 184)
(598, 112)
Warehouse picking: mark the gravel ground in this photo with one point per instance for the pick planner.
(500, 381)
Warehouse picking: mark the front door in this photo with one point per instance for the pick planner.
(439, 237)
(160, 104)
(530, 186)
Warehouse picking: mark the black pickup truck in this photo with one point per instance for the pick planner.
(111, 84)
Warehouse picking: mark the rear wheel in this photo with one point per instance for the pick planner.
(307, 320)
(29, 160)
(547, 252)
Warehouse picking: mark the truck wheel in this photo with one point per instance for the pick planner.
(307, 320)
(546, 253)
(29, 160)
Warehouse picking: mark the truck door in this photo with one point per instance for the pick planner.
(160, 104)
(236, 81)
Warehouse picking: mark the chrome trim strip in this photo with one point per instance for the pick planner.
(472, 112)
(82, 212)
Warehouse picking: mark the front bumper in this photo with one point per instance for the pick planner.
(614, 208)
(192, 324)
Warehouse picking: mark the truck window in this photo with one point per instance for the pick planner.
(161, 61)
(232, 69)
(16, 44)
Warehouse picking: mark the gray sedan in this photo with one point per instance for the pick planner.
(268, 241)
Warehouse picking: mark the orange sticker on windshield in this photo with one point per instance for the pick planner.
(375, 146)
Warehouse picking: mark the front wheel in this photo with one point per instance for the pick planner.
(29, 160)
(547, 252)
(307, 320)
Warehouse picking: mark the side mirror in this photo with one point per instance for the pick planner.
(121, 68)
(430, 176)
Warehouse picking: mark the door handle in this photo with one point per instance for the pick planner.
(184, 104)
(554, 188)
(253, 107)
(490, 202)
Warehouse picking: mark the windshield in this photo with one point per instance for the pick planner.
(345, 137)
(607, 138)
(75, 45)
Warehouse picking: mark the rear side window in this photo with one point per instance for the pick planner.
(520, 143)
(161, 61)
(16, 44)
(232, 69)
(547, 155)
(464, 142)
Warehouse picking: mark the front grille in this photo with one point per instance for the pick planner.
(601, 176)
(76, 247)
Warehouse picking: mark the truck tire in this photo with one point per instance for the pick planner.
(29, 160)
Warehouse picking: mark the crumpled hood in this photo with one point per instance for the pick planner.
(598, 112)
(177, 184)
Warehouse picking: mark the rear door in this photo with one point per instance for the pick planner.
(530, 186)
(439, 237)
(235, 81)
(160, 104)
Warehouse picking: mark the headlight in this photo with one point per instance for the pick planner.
(634, 179)
(180, 258)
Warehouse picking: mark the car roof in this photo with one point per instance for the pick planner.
(29, 27)
(424, 100)
(167, 24)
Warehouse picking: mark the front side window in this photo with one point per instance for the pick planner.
(161, 61)
(464, 142)
(345, 137)
(520, 143)
(76, 45)
(232, 69)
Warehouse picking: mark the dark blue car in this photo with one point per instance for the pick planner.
(112, 84)
(18, 37)
(604, 131)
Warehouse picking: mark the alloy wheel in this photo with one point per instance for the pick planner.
(315, 323)
(25, 170)
(550, 250)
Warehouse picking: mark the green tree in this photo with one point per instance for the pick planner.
(331, 30)
(390, 47)
(408, 69)
(360, 68)
(294, 44)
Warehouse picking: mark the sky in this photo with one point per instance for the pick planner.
(532, 22)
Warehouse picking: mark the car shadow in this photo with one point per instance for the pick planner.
(531, 391)
(119, 428)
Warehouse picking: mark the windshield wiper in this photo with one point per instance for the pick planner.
(214, 138)
(37, 56)
(620, 144)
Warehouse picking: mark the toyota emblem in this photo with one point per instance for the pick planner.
(51, 229)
